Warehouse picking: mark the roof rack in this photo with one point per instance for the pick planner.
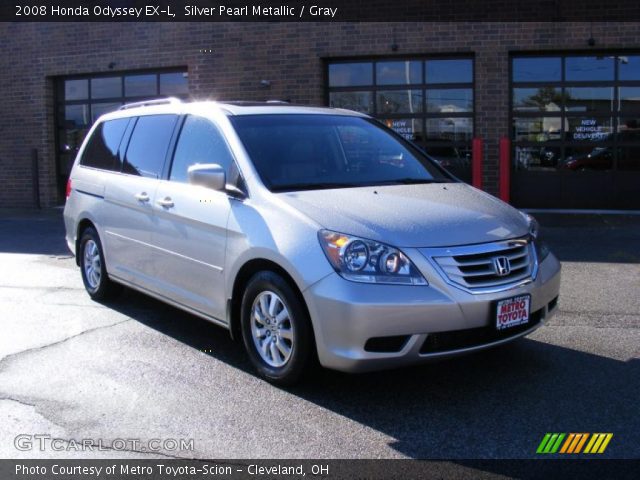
(157, 101)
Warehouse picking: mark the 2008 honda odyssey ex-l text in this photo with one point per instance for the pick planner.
(304, 231)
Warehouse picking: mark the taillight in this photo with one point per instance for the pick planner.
(68, 191)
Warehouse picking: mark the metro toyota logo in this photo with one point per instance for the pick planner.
(501, 266)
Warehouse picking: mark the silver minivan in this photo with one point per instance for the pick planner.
(307, 232)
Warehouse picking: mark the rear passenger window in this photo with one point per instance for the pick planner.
(148, 145)
(199, 142)
(102, 150)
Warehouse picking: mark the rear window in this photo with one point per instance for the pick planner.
(148, 145)
(103, 149)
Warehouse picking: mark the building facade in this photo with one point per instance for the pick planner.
(566, 95)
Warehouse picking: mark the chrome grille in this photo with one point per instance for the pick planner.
(483, 267)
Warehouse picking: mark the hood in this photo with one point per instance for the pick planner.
(431, 215)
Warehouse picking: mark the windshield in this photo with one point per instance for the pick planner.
(305, 152)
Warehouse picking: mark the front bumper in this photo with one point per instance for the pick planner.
(345, 315)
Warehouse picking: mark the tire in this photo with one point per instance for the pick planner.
(270, 330)
(93, 268)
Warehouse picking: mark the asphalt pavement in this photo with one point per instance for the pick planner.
(136, 369)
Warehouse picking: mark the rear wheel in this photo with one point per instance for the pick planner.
(275, 328)
(93, 268)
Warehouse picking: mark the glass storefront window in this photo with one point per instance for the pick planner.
(454, 129)
(537, 69)
(587, 157)
(449, 71)
(140, 85)
(537, 129)
(629, 67)
(76, 115)
(98, 109)
(399, 101)
(581, 125)
(409, 128)
(589, 129)
(76, 89)
(174, 83)
(429, 101)
(542, 99)
(629, 130)
(450, 100)
(358, 101)
(350, 74)
(629, 158)
(106, 87)
(589, 69)
(589, 99)
(398, 73)
(629, 98)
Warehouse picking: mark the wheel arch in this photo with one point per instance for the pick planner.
(243, 276)
(82, 226)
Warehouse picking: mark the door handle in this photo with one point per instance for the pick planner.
(166, 202)
(142, 197)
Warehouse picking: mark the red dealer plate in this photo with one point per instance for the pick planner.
(512, 312)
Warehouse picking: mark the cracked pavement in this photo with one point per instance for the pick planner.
(137, 369)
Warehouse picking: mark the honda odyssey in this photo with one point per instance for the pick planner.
(306, 232)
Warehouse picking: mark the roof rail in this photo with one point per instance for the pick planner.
(157, 101)
(278, 102)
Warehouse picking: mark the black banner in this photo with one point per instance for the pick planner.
(162, 469)
(319, 10)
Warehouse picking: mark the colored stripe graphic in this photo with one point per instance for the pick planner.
(574, 442)
(598, 442)
(550, 443)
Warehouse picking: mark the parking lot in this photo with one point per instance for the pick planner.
(138, 369)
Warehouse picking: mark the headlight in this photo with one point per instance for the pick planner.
(542, 249)
(366, 261)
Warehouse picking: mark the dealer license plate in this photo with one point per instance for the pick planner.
(512, 312)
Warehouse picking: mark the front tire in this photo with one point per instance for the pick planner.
(94, 271)
(276, 329)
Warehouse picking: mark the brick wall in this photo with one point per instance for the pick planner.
(288, 54)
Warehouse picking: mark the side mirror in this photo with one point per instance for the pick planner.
(210, 175)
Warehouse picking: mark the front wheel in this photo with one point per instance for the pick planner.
(94, 271)
(275, 328)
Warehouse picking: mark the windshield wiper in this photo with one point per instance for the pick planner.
(313, 186)
(410, 181)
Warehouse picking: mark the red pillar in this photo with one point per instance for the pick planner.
(505, 169)
(476, 163)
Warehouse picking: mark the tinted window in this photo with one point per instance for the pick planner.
(449, 71)
(102, 149)
(398, 73)
(106, 87)
(589, 68)
(348, 74)
(173, 84)
(450, 100)
(400, 101)
(140, 85)
(543, 99)
(629, 67)
(148, 145)
(76, 89)
(301, 152)
(199, 142)
(358, 101)
(538, 69)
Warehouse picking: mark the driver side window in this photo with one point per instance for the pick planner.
(200, 142)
